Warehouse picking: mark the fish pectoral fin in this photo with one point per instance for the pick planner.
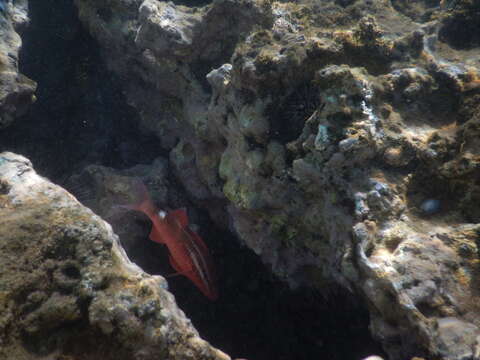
(178, 274)
(155, 236)
(174, 264)
(177, 268)
(179, 215)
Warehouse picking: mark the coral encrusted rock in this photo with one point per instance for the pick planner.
(341, 137)
(16, 90)
(67, 289)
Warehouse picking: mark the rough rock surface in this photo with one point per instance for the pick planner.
(69, 291)
(341, 136)
(16, 90)
(102, 189)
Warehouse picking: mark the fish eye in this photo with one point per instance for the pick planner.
(162, 214)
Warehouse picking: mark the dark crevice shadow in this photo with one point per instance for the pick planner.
(258, 317)
(81, 116)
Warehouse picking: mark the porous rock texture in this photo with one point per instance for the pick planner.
(341, 136)
(67, 289)
(103, 189)
(16, 90)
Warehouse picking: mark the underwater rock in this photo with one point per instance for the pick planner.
(16, 90)
(103, 189)
(422, 279)
(70, 291)
(324, 131)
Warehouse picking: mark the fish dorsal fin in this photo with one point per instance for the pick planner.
(179, 215)
(155, 235)
(199, 241)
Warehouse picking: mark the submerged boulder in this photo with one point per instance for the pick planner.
(67, 288)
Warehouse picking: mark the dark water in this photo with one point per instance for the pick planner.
(256, 316)
(81, 117)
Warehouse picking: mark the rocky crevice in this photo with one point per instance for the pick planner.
(339, 138)
(344, 189)
(85, 121)
(70, 284)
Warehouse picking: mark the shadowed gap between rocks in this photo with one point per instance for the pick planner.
(82, 118)
(256, 316)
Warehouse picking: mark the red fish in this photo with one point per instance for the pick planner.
(189, 255)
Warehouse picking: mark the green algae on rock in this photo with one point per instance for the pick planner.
(391, 126)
